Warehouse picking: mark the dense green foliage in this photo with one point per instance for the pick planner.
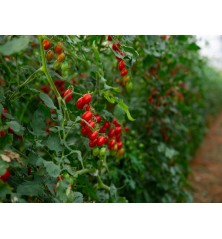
(161, 104)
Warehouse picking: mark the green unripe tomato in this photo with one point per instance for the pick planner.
(102, 152)
(96, 152)
(65, 73)
(65, 66)
(129, 86)
(66, 175)
(56, 65)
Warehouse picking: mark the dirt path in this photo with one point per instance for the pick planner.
(206, 166)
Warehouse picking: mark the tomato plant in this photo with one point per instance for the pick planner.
(101, 118)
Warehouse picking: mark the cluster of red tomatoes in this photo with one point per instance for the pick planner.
(58, 49)
(121, 65)
(97, 133)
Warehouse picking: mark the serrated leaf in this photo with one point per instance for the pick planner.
(52, 169)
(47, 100)
(30, 188)
(16, 127)
(38, 122)
(53, 143)
(78, 197)
(15, 45)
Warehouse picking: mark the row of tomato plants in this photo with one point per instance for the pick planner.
(101, 118)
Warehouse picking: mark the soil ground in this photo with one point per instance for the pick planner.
(206, 166)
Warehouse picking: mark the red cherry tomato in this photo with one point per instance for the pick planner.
(5, 176)
(102, 130)
(115, 122)
(79, 103)
(119, 59)
(126, 129)
(87, 115)
(111, 132)
(111, 143)
(92, 124)
(88, 108)
(87, 98)
(118, 130)
(121, 65)
(106, 140)
(61, 57)
(98, 118)
(49, 55)
(59, 83)
(100, 141)
(84, 131)
(2, 133)
(106, 124)
(5, 111)
(120, 145)
(46, 44)
(164, 37)
(67, 95)
(11, 130)
(114, 47)
(93, 135)
(118, 137)
(93, 143)
(58, 48)
(124, 72)
(109, 38)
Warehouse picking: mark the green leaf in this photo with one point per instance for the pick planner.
(61, 190)
(52, 169)
(193, 46)
(1, 108)
(3, 166)
(38, 122)
(47, 100)
(113, 191)
(6, 141)
(5, 189)
(170, 153)
(78, 197)
(30, 188)
(16, 127)
(125, 108)
(119, 113)
(53, 143)
(15, 45)
(109, 96)
(130, 50)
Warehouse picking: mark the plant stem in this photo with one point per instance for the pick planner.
(101, 184)
(83, 171)
(61, 102)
